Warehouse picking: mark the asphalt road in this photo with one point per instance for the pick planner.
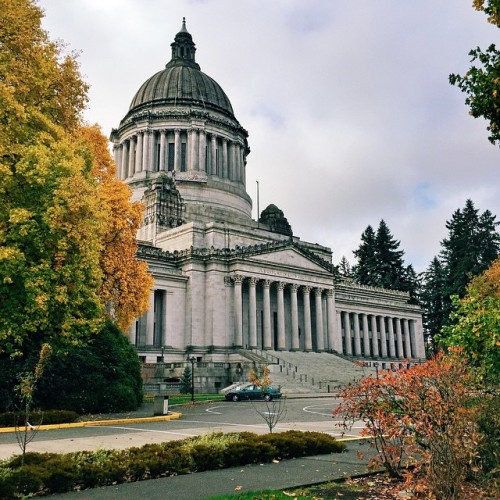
(306, 414)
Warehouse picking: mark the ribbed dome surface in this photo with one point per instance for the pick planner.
(182, 84)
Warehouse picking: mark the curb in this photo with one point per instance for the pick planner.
(95, 423)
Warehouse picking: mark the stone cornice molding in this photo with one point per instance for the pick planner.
(188, 114)
(237, 252)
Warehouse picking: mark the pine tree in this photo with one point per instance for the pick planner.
(389, 264)
(471, 246)
(380, 262)
(433, 298)
(186, 380)
(345, 267)
(364, 270)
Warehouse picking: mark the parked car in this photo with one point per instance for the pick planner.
(252, 391)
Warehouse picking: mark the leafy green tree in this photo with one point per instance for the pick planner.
(104, 376)
(67, 227)
(481, 82)
(476, 324)
(51, 222)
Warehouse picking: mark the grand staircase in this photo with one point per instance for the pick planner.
(308, 372)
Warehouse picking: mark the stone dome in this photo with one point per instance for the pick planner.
(182, 82)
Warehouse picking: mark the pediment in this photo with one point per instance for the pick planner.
(287, 258)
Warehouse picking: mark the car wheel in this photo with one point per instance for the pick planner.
(267, 397)
(235, 397)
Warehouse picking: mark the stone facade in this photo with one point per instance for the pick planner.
(224, 282)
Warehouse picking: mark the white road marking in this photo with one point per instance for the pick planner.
(210, 410)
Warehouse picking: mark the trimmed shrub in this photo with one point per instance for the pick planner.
(54, 473)
(47, 417)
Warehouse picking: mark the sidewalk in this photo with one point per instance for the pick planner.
(257, 477)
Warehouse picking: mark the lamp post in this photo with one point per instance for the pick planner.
(376, 369)
(192, 359)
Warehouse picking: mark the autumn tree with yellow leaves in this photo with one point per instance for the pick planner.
(67, 227)
(125, 282)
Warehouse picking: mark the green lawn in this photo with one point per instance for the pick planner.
(179, 399)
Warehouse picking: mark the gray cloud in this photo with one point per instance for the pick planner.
(348, 106)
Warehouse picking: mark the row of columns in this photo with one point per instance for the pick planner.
(204, 152)
(396, 335)
(324, 304)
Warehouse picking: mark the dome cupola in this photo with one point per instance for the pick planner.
(181, 123)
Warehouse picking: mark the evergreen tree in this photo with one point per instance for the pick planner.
(186, 380)
(344, 268)
(389, 264)
(471, 246)
(433, 298)
(364, 270)
(380, 262)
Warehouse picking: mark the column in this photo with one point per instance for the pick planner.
(132, 333)
(347, 333)
(252, 311)
(267, 315)
(224, 159)
(374, 336)
(138, 162)
(406, 331)
(236, 162)
(366, 336)
(117, 158)
(411, 324)
(399, 338)
(124, 165)
(193, 150)
(163, 141)
(150, 319)
(383, 337)
(392, 348)
(131, 157)
(330, 308)
(295, 317)
(214, 154)
(306, 290)
(230, 161)
(320, 339)
(151, 150)
(145, 151)
(238, 311)
(357, 339)
(202, 151)
(177, 151)
(281, 317)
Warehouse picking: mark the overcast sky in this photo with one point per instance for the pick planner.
(350, 115)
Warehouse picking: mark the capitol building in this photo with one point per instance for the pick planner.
(227, 286)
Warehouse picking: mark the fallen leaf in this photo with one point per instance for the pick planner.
(238, 488)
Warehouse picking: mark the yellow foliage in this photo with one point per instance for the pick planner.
(126, 283)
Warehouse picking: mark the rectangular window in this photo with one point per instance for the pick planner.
(183, 157)
(157, 159)
(171, 156)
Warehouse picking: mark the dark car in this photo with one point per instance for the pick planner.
(253, 391)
